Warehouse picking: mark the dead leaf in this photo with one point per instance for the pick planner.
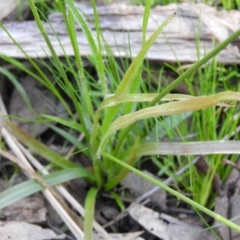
(139, 186)
(30, 209)
(43, 102)
(105, 213)
(121, 236)
(165, 226)
(22, 231)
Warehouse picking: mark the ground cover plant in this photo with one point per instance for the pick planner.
(120, 112)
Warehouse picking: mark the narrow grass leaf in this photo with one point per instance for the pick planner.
(89, 213)
(17, 85)
(139, 97)
(178, 195)
(118, 200)
(65, 122)
(96, 48)
(145, 19)
(38, 147)
(112, 182)
(132, 70)
(30, 187)
(69, 137)
(81, 80)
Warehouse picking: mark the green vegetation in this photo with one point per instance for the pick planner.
(224, 4)
(116, 128)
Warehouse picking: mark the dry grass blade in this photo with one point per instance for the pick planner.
(173, 108)
(101, 231)
(166, 109)
(56, 201)
(52, 196)
(190, 148)
(116, 99)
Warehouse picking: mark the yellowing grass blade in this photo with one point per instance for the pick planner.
(140, 97)
(171, 108)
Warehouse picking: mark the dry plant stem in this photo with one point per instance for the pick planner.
(48, 192)
(65, 194)
(146, 195)
(60, 188)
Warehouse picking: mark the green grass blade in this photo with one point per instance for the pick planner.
(137, 62)
(69, 137)
(196, 205)
(132, 71)
(113, 181)
(17, 85)
(145, 20)
(96, 51)
(99, 58)
(64, 122)
(118, 200)
(89, 213)
(30, 187)
(196, 66)
(81, 80)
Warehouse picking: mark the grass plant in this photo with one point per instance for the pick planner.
(115, 128)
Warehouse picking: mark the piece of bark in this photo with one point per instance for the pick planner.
(166, 227)
(121, 26)
(29, 209)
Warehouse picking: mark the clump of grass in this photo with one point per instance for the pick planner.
(115, 128)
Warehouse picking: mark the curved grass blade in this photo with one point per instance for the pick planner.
(30, 187)
(194, 204)
(140, 97)
(38, 147)
(169, 109)
(133, 70)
